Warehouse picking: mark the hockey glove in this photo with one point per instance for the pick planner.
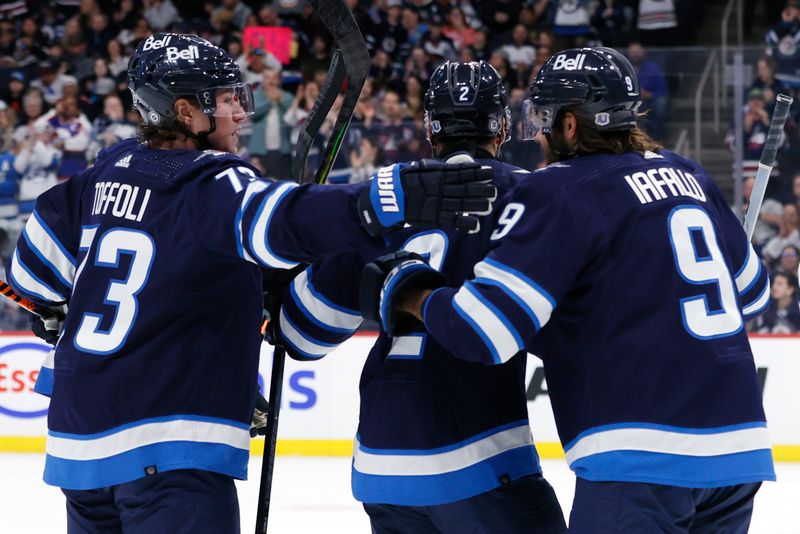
(258, 424)
(383, 284)
(48, 329)
(426, 192)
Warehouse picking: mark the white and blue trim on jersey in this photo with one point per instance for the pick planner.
(537, 303)
(749, 273)
(46, 246)
(26, 282)
(445, 474)
(253, 188)
(302, 343)
(259, 231)
(495, 330)
(660, 454)
(46, 376)
(121, 454)
(320, 310)
(759, 304)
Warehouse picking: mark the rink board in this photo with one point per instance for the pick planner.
(319, 414)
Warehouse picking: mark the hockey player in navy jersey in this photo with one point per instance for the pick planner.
(622, 267)
(443, 444)
(158, 251)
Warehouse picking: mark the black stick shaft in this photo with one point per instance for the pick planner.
(270, 439)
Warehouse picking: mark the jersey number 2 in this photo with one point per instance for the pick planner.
(120, 293)
(700, 262)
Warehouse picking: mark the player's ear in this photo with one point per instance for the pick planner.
(569, 126)
(185, 112)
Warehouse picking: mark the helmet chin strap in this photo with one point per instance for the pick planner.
(559, 147)
(201, 137)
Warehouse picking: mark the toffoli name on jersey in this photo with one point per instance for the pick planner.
(664, 182)
(124, 200)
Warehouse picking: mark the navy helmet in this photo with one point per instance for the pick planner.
(466, 99)
(166, 66)
(598, 82)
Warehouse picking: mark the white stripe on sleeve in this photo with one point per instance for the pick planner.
(259, 233)
(493, 329)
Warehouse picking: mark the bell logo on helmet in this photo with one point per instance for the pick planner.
(564, 63)
(173, 53)
(151, 43)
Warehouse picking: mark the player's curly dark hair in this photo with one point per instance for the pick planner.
(590, 140)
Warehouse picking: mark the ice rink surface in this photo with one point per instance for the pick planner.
(312, 496)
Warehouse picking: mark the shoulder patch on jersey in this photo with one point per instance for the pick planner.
(205, 153)
(522, 171)
(652, 155)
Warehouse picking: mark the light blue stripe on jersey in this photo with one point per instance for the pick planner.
(750, 271)
(499, 335)
(259, 231)
(131, 465)
(446, 474)
(27, 283)
(534, 301)
(691, 457)
(47, 247)
(321, 311)
(45, 379)
(758, 305)
(301, 342)
(256, 186)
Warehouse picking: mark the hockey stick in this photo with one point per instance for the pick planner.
(766, 163)
(348, 71)
(22, 302)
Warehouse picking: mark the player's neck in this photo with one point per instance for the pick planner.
(186, 143)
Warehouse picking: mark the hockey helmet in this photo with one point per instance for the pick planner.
(466, 99)
(600, 82)
(166, 66)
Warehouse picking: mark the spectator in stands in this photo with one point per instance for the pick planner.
(439, 47)
(457, 30)
(382, 71)
(788, 261)
(756, 125)
(480, 47)
(796, 190)
(51, 82)
(770, 216)
(36, 162)
(71, 131)
(499, 16)
(269, 141)
(766, 81)
(34, 107)
(654, 90)
(239, 12)
(782, 44)
(9, 184)
(414, 97)
(788, 234)
(161, 14)
(419, 64)
(657, 23)
(783, 314)
(365, 160)
(99, 32)
(318, 58)
(117, 59)
(414, 26)
(255, 63)
(295, 116)
(8, 122)
(100, 83)
(394, 131)
(111, 127)
(571, 23)
(519, 51)
(609, 23)
(391, 35)
(13, 93)
(499, 61)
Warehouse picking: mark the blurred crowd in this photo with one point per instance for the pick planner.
(63, 90)
(777, 234)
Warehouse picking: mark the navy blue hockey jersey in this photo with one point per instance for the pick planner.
(158, 254)
(632, 280)
(433, 428)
